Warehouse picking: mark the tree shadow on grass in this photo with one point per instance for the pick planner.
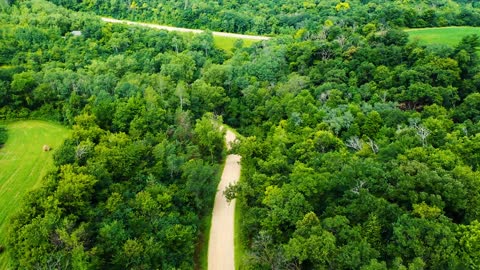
(3, 135)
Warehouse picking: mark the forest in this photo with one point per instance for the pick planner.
(285, 16)
(361, 148)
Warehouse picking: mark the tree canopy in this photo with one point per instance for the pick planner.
(360, 150)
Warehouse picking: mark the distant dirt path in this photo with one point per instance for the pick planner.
(187, 30)
(220, 245)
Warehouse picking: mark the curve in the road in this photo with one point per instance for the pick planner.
(221, 243)
(186, 30)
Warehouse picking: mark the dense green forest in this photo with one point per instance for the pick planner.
(140, 170)
(361, 149)
(285, 16)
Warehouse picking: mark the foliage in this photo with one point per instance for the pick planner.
(285, 16)
(136, 171)
(355, 138)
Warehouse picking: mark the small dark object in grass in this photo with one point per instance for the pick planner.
(2, 249)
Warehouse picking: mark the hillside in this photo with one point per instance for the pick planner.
(284, 16)
(360, 148)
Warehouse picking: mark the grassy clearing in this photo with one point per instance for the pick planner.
(23, 164)
(227, 43)
(442, 35)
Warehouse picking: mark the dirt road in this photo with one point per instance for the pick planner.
(220, 246)
(178, 29)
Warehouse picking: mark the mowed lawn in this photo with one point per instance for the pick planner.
(442, 35)
(23, 164)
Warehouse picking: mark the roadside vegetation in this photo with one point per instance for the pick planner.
(284, 16)
(360, 148)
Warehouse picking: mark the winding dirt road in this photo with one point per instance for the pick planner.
(186, 30)
(220, 246)
(221, 243)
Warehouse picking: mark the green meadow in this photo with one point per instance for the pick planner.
(442, 35)
(23, 163)
(227, 43)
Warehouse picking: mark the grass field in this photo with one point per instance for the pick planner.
(23, 164)
(443, 35)
(227, 43)
(224, 43)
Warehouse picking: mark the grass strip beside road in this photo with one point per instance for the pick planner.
(222, 40)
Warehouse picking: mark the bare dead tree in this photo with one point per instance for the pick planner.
(293, 265)
(423, 133)
(175, 44)
(372, 145)
(414, 122)
(359, 186)
(82, 150)
(342, 40)
(265, 252)
(323, 34)
(323, 97)
(326, 54)
(354, 143)
(384, 96)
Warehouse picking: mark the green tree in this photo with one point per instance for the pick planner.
(372, 125)
(468, 241)
(310, 244)
(209, 136)
(181, 67)
(430, 239)
(206, 98)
